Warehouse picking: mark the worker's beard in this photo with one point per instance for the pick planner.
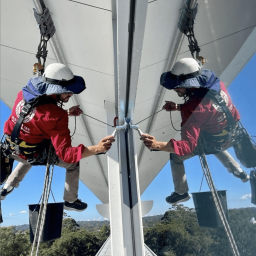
(185, 94)
(59, 101)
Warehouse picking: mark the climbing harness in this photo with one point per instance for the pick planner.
(36, 153)
(47, 30)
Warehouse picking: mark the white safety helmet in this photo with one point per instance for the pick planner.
(183, 69)
(58, 71)
(185, 66)
(60, 75)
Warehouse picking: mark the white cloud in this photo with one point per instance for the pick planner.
(246, 196)
(12, 214)
(23, 212)
(99, 218)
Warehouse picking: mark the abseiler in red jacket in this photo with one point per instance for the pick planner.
(47, 123)
(202, 117)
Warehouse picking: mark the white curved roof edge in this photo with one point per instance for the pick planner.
(243, 56)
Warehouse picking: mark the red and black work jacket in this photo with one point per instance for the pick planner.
(45, 122)
(201, 115)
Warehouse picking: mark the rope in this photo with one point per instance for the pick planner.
(40, 211)
(42, 50)
(53, 196)
(201, 183)
(217, 202)
(193, 45)
(2, 138)
(43, 205)
(186, 26)
(44, 211)
(172, 122)
(74, 129)
(47, 30)
(149, 116)
(98, 120)
(109, 124)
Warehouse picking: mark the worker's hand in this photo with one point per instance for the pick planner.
(149, 141)
(105, 144)
(170, 106)
(75, 111)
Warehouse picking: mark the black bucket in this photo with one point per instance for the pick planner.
(253, 186)
(1, 218)
(206, 211)
(53, 221)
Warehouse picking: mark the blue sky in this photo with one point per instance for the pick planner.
(243, 94)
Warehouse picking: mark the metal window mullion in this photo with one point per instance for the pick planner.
(136, 215)
(128, 233)
(139, 24)
(115, 180)
(122, 15)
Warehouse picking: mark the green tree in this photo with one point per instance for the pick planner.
(69, 224)
(243, 230)
(14, 243)
(74, 243)
(179, 234)
(103, 233)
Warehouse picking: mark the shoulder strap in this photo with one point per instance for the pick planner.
(221, 102)
(16, 130)
(24, 111)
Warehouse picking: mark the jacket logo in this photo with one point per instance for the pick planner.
(225, 98)
(28, 117)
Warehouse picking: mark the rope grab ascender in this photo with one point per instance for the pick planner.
(186, 26)
(47, 30)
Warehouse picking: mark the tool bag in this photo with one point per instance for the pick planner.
(245, 148)
(6, 165)
(1, 217)
(253, 186)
